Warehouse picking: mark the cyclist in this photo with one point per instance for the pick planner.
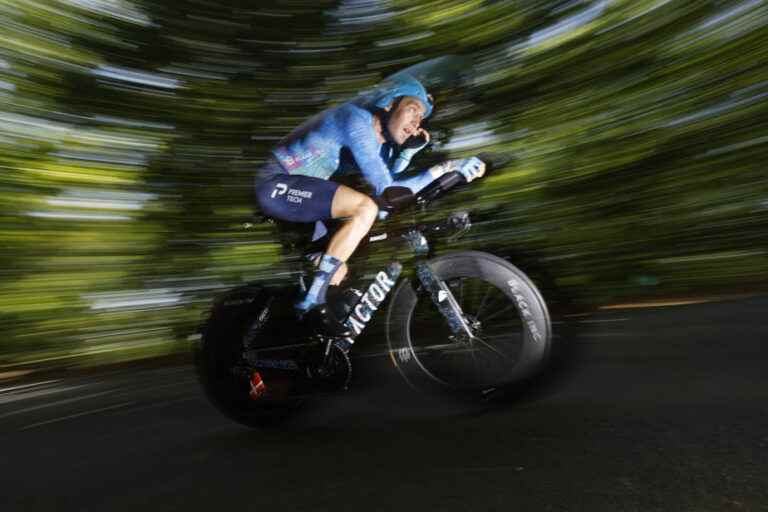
(377, 135)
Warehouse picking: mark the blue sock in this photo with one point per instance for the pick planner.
(316, 294)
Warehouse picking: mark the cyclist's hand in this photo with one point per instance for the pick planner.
(417, 141)
(471, 168)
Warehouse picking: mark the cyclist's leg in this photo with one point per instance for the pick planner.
(360, 212)
(296, 198)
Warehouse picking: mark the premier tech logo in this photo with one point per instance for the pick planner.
(292, 195)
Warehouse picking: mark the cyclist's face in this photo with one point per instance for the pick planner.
(406, 119)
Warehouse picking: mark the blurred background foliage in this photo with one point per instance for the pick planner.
(629, 140)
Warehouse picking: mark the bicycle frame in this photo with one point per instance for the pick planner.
(385, 280)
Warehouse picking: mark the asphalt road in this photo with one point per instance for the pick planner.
(664, 409)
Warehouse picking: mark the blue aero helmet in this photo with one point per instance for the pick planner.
(404, 86)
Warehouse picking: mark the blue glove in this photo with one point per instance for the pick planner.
(471, 168)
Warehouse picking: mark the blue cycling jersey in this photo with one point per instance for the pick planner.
(316, 149)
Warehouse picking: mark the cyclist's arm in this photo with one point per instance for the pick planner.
(401, 163)
(407, 153)
(365, 149)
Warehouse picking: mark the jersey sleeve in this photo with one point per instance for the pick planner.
(365, 150)
(400, 163)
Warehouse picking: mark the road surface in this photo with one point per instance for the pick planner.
(664, 409)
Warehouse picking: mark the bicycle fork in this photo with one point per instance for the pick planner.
(445, 301)
(441, 295)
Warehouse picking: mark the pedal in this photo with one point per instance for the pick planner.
(258, 388)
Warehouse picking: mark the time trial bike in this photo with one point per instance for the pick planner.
(467, 322)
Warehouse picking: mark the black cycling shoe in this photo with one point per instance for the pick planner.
(322, 321)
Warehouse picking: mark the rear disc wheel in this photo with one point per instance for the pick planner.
(226, 377)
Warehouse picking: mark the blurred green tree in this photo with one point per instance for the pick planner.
(628, 139)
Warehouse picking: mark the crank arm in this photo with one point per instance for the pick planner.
(444, 300)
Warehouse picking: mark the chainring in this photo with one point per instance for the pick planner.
(332, 372)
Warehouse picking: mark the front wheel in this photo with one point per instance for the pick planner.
(512, 333)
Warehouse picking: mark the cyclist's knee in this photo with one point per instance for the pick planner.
(367, 209)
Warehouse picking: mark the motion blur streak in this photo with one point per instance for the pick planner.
(628, 139)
